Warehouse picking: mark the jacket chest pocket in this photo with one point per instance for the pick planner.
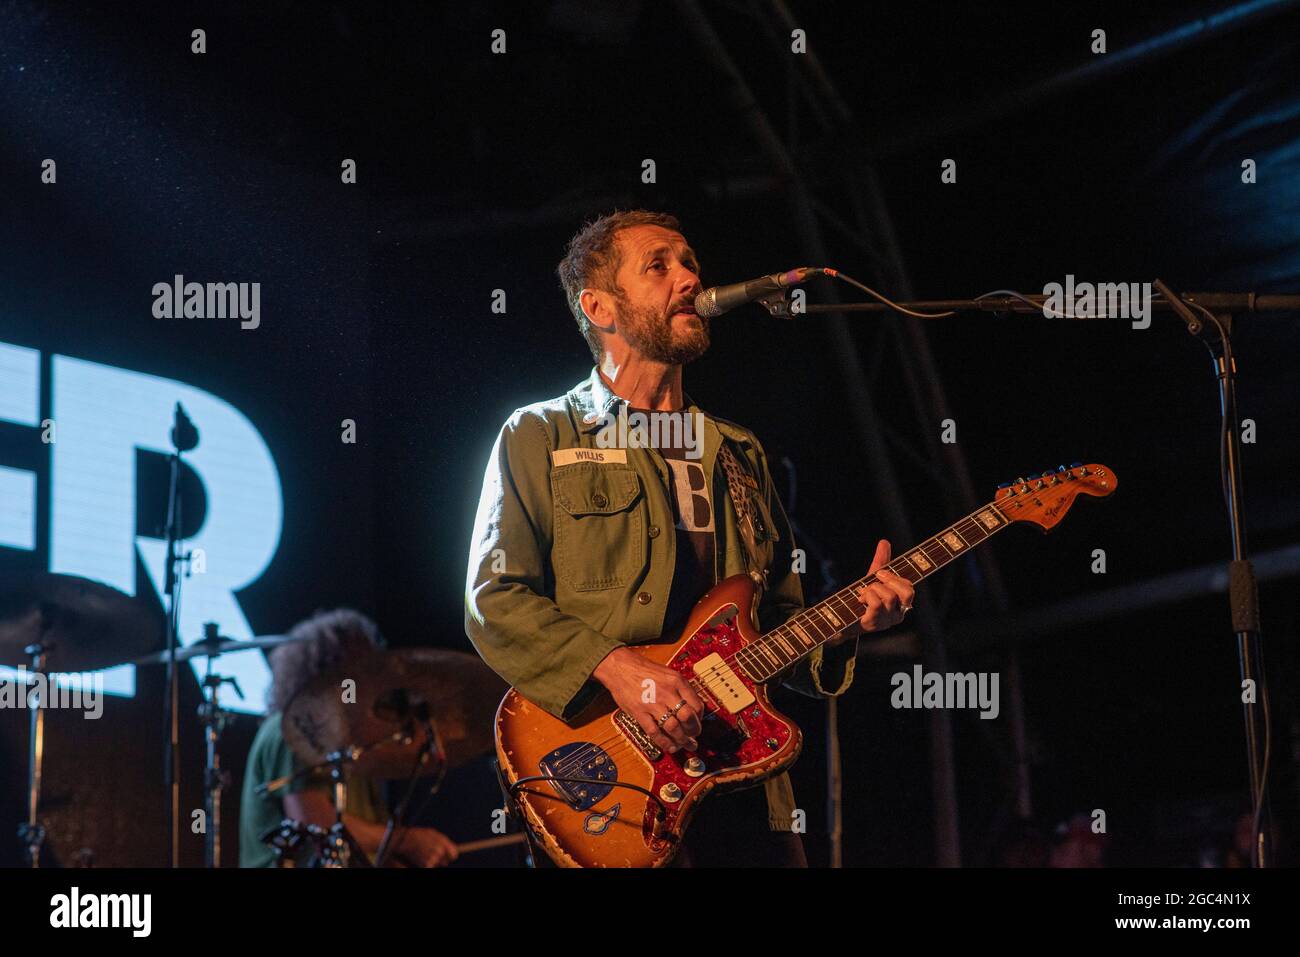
(599, 533)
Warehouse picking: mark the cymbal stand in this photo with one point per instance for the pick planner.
(214, 720)
(32, 833)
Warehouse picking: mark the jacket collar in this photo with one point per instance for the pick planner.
(592, 400)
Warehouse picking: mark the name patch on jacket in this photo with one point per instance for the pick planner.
(604, 456)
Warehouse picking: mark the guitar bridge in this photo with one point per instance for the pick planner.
(637, 734)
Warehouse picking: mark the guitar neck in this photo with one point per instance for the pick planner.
(811, 628)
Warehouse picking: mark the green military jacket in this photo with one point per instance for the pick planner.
(573, 558)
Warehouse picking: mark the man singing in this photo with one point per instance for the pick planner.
(576, 556)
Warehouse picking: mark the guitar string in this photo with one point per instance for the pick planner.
(614, 745)
(611, 745)
(621, 743)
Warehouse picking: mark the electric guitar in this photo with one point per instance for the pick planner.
(597, 792)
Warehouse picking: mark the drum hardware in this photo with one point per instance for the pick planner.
(83, 625)
(335, 847)
(214, 721)
(213, 717)
(32, 833)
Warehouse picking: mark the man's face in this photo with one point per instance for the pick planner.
(660, 278)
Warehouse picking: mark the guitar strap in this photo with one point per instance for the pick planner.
(751, 523)
(777, 791)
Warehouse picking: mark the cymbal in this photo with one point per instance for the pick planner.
(86, 624)
(457, 691)
(212, 647)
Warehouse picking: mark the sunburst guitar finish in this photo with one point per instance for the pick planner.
(592, 823)
(596, 792)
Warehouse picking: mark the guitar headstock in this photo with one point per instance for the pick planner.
(1044, 499)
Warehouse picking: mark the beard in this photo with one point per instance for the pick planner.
(651, 333)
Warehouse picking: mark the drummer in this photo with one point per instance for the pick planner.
(328, 640)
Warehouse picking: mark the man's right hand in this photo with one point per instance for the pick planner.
(426, 847)
(626, 673)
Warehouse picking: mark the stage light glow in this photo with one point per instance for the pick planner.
(103, 414)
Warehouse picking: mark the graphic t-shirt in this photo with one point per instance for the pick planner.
(693, 511)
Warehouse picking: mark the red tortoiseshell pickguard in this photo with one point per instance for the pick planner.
(728, 741)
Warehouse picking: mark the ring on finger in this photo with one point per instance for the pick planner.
(666, 715)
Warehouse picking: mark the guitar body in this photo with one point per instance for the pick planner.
(595, 824)
(630, 804)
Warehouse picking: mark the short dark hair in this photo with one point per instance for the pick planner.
(591, 261)
(327, 640)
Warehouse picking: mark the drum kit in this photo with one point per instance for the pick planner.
(413, 714)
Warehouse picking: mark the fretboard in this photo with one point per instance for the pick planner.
(813, 627)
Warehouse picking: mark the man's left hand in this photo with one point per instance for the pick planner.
(886, 600)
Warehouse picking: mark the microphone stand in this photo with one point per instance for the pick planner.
(1243, 592)
(430, 750)
(1226, 302)
(184, 438)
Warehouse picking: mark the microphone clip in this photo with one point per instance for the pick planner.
(777, 304)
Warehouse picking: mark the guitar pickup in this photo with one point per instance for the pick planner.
(725, 685)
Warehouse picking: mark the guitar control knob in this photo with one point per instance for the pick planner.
(772, 743)
(694, 767)
(670, 793)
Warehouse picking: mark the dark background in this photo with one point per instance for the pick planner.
(473, 171)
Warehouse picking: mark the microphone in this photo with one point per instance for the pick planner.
(719, 299)
(184, 435)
